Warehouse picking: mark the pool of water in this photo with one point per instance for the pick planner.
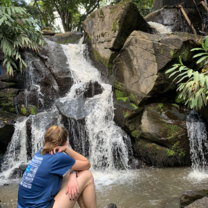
(144, 188)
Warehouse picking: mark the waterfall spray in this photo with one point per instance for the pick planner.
(198, 141)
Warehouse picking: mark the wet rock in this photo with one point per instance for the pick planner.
(7, 99)
(78, 136)
(200, 203)
(171, 18)
(23, 166)
(139, 70)
(92, 89)
(6, 129)
(79, 107)
(111, 206)
(164, 124)
(16, 174)
(162, 136)
(56, 61)
(189, 197)
(108, 28)
(67, 37)
(47, 78)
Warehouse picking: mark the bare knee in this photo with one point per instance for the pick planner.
(88, 175)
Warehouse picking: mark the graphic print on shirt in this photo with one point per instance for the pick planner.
(30, 172)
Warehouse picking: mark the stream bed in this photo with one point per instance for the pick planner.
(144, 188)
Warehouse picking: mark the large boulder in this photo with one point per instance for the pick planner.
(139, 70)
(161, 138)
(109, 27)
(189, 197)
(47, 77)
(171, 18)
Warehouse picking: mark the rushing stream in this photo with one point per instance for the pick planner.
(94, 134)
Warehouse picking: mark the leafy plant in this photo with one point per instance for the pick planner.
(195, 89)
(17, 31)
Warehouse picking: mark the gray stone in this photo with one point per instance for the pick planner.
(161, 139)
(200, 203)
(139, 70)
(189, 197)
(109, 27)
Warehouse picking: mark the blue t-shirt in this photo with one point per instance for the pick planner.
(42, 179)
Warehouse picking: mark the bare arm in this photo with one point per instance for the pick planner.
(82, 163)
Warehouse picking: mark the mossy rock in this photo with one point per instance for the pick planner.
(158, 156)
(7, 100)
(67, 37)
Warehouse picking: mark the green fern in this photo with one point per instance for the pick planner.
(17, 31)
(195, 88)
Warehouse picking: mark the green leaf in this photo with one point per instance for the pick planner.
(201, 59)
(201, 79)
(206, 44)
(183, 78)
(200, 54)
(170, 70)
(180, 60)
(199, 92)
(197, 49)
(202, 43)
(190, 72)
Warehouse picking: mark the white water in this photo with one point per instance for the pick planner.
(198, 145)
(16, 153)
(162, 29)
(108, 150)
(105, 137)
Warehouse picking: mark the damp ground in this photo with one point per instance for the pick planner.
(144, 188)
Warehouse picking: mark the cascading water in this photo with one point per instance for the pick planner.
(105, 137)
(107, 145)
(162, 29)
(198, 143)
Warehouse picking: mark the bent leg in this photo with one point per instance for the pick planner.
(86, 187)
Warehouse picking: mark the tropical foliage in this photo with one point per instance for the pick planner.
(194, 91)
(144, 6)
(17, 31)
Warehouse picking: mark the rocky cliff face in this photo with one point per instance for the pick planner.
(109, 27)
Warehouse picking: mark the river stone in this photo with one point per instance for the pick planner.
(171, 18)
(189, 197)
(67, 37)
(109, 27)
(139, 70)
(200, 203)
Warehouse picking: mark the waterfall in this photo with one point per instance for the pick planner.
(198, 142)
(16, 150)
(92, 131)
(162, 29)
(105, 139)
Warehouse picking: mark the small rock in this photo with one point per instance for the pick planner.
(111, 206)
(200, 203)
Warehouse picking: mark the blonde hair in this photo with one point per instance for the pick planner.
(55, 136)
